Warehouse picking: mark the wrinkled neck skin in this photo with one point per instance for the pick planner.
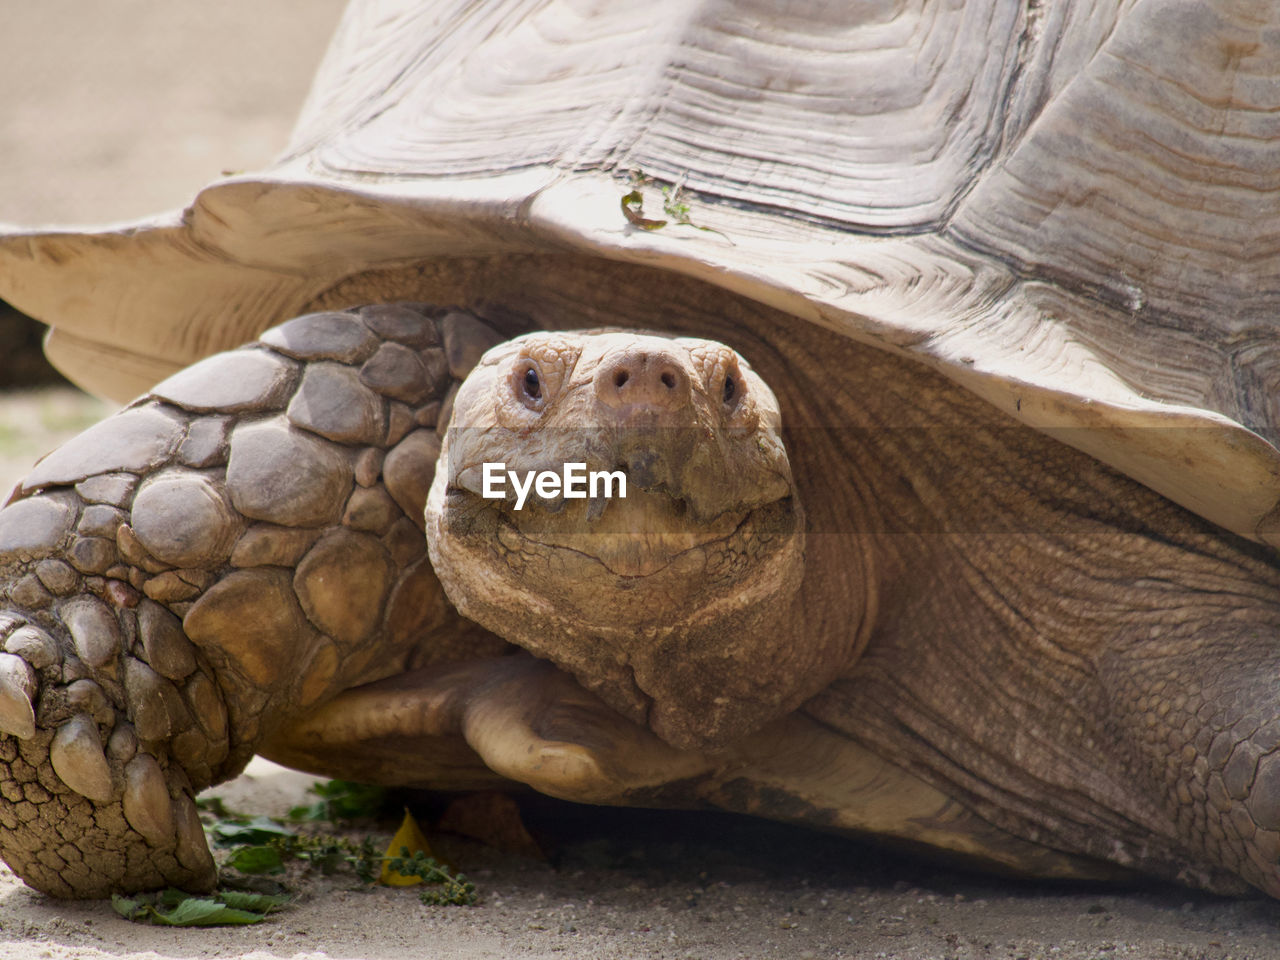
(682, 604)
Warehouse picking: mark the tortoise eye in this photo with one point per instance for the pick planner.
(730, 389)
(531, 385)
(535, 377)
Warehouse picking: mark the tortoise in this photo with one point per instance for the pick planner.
(944, 389)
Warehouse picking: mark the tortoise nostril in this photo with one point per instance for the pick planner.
(641, 380)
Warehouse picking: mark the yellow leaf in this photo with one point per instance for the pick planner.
(409, 835)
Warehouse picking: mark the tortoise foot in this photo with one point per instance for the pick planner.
(483, 723)
(87, 806)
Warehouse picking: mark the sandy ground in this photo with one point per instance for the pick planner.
(113, 111)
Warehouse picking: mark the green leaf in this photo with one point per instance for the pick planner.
(262, 903)
(175, 908)
(125, 906)
(205, 913)
(257, 859)
(341, 800)
(234, 881)
(307, 812)
(214, 807)
(633, 209)
(191, 912)
(230, 833)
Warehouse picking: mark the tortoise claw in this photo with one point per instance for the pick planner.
(94, 630)
(193, 851)
(78, 759)
(33, 645)
(147, 806)
(17, 691)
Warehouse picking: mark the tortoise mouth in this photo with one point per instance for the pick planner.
(644, 534)
(640, 535)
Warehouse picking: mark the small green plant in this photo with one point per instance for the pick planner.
(673, 205)
(445, 889)
(332, 854)
(325, 853)
(260, 846)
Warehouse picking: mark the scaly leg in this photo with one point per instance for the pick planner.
(234, 548)
(460, 726)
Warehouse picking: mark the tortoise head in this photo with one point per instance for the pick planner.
(622, 505)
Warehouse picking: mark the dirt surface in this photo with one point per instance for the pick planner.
(639, 884)
(115, 111)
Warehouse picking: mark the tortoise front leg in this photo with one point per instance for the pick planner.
(231, 550)
(486, 723)
(470, 725)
